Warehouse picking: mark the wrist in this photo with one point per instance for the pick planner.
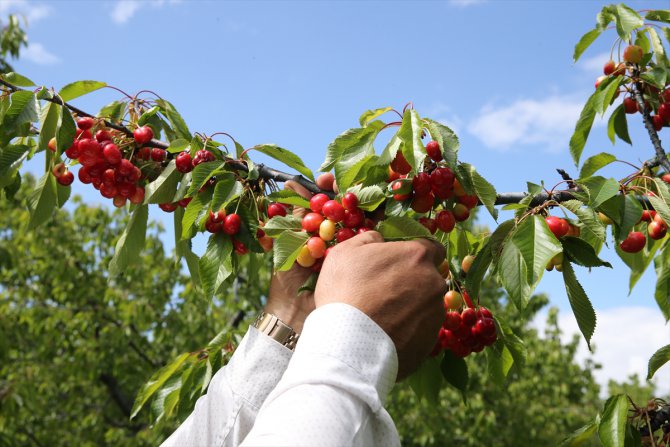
(289, 315)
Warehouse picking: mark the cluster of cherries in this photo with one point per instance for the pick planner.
(184, 163)
(656, 229)
(632, 56)
(103, 164)
(436, 182)
(466, 328)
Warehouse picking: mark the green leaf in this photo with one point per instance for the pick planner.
(287, 247)
(11, 158)
(194, 211)
(202, 173)
(583, 127)
(351, 142)
(62, 194)
(661, 201)
(79, 88)
(146, 117)
(525, 256)
(585, 41)
(455, 370)
(478, 269)
(582, 435)
(17, 79)
(662, 292)
(597, 190)
(43, 201)
(410, 133)
(175, 119)
(660, 358)
(514, 206)
(178, 145)
(618, 125)
(113, 111)
(401, 228)
(482, 188)
(370, 115)
(288, 197)
(162, 190)
(512, 342)
(226, 190)
(349, 171)
(426, 381)
(657, 46)
(582, 253)
(447, 140)
(156, 382)
(216, 265)
(656, 77)
(23, 109)
(131, 242)
(66, 132)
(595, 163)
(659, 15)
(285, 156)
(276, 226)
(627, 21)
(499, 362)
(612, 427)
(642, 41)
(608, 88)
(48, 125)
(593, 231)
(581, 306)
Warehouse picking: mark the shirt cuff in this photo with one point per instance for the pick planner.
(257, 366)
(344, 347)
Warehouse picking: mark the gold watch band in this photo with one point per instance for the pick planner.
(277, 330)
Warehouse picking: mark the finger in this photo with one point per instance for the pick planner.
(434, 250)
(298, 188)
(368, 237)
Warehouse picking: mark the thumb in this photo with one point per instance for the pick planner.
(369, 237)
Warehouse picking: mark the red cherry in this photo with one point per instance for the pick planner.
(646, 216)
(433, 150)
(119, 201)
(461, 350)
(461, 212)
(183, 162)
(442, 177)
(354, 218)
(109, 176)
(312, 221)
(344, 234)
(630, 105)
(220, 216)
(184, 202)
(103, 135)
(445, 221)
(421, 183)
(423, 203)
(333, 210)
(443, 192)
(558, 226)
(317, 201)
(658, 122)
(325, 181)
(138, 196)
(239, 247)
(657, 230)
(276, 209)
(316, 247)
(125, 167)
(112, 154)
(84, 175)
(469, 316)
(58, 170)
(73, 151)
(393, 176)
(213, 226)
(484, 312)
(66, 179)
(232, 224)
(108, 190)
(468, 201)
(202, 156)
(158, 154)
(399, 197)
(400, 165)
(609, 67)
(85, 123)
(350, 201)
(633, 54)
(633, 243)
(429, 223)
(143, 135)
(452, 320)
(664, 112)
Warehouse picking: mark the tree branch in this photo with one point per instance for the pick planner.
(661, 157)
(117, 394)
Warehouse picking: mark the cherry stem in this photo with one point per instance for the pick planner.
(119, 90)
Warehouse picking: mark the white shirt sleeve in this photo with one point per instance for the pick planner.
(224, 416)
(335, 386)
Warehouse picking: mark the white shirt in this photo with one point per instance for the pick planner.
(330, 392)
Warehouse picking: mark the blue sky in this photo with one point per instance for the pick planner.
(299, 73)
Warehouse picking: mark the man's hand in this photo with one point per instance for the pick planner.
(283, 299)
(396, 284)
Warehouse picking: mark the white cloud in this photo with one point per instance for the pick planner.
(38, 54)
(624, 340)
(444, 114)
(548, 122)
(33, 12)
(124, 10)
(466, 3)
(593, 65)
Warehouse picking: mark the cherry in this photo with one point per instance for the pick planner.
(557, 226)
(423, 203)
(103, 135)
(445, 221)
(325, 181)
(466, 264)
(400, 196)
(484, 312)
(461, 350)
(658, 122)
(305, 258)
(112, 154)
(109, 176)
(393, 176)
(108, 190)
(66, 179)
(657, 230)
(433, 150)
(421, 183)
(461, 212)
(85, 123)
(213, 227)
(72, 152)
(239, 247)
(125, 167)
(609, 67)
(327, 230)
(138, 195)
(143, 135)
(266, 243)
(311, 222)
(158, 154)
(442, 177)
(84, 175)
(58, 170)
(317, 201)
(316, 247)
(443, 192)
(599, 80)
(232, 223)
(276, 209)
(220, 216)
(353, 219)
(633, 243)
(452, 320)
(119, 201)
(350, 201)
(52, 144)
(400, 165)
(468, 200)
(429, 223)
(469, 316)
(646, 216)
(630, 105)
(633, 54)
(184, 202)
(453, 300)
(344, 234)
(183, 162)
(333, 210)
(664, 112)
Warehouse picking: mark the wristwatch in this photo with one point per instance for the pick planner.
(277, 330)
